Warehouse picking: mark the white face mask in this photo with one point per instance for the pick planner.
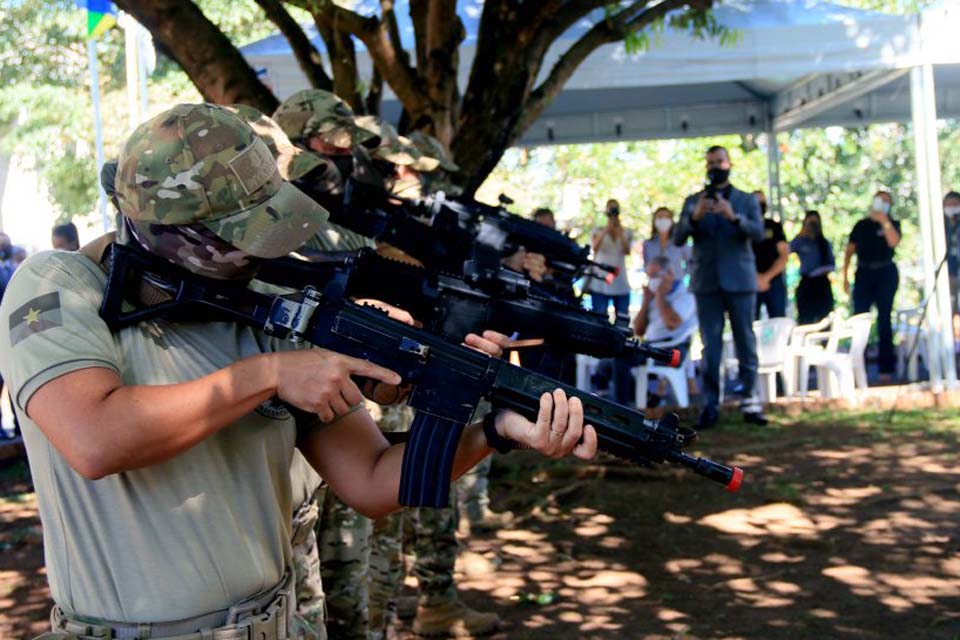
(654, 283)
(663, 224)
(881, 205)
(951, 211)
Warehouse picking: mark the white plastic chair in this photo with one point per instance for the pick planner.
(586, 365)
(798, 338)
(676, 376)
(839, 374)
(913, 343)
(773, 336)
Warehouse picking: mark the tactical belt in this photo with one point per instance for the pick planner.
(265, 616)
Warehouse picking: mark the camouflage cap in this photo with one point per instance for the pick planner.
(314, 112)
(293, 162)
(201, 164)
(433, 148)
(393, 147)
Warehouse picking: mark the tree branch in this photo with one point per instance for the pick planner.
(375, 94)
(306, 54)
(343, 62)
(445, 32)
(375, 35)
(207, 56)
(418, 16)
(605, 32)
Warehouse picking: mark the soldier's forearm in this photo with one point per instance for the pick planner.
(353, 456)
(102, 426)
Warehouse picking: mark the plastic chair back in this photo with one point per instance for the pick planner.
(773, 336)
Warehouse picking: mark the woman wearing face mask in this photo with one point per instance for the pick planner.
(661, 243)
(951, 226)
(814, 293)
(611, 246)
(874, 240)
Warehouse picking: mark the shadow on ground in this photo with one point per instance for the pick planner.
(846, 527)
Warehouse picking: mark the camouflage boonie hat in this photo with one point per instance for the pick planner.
(201, 164)
(293, 162)
(433, 148)
(314, 112)
(393, 147)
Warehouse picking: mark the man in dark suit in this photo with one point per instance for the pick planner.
(723, 222)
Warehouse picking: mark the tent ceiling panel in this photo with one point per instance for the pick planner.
(795, 63)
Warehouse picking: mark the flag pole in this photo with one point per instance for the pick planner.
(97, 127)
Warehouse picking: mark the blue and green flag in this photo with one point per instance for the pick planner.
(101, 16)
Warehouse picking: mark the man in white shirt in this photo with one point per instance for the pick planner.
(669, 309)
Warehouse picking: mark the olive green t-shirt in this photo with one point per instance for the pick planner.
(178, 539)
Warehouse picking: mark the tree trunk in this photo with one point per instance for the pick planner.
(207, 56)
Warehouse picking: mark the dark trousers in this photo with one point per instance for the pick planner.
(814, 299)
(622, 379)
(877, 287)
(711, 309)
(774, 298)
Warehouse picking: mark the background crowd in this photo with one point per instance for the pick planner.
(725, 258)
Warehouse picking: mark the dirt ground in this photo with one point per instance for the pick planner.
(846, 527)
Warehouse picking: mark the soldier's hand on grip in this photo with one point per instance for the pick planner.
(558, 431)
(319, 381)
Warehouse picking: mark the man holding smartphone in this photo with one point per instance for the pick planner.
(724, 222)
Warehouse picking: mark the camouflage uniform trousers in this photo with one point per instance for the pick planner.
(310, 617)
(343, 538)
(344, 541)
(431, 535)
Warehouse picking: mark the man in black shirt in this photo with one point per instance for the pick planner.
(771, 254)
(874, 240)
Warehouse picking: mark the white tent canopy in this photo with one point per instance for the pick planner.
(794, 63)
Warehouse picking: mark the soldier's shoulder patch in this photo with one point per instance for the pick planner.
(40, 314)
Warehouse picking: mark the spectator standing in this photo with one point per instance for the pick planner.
(661, 243)
(723, 222)
(951, 226)
(611, 245)
(771, 255)
(874, 240)
(814, 295)
(65, 237)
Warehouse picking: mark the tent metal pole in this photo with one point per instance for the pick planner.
(940, 347)
(773, 174)
(97, 128)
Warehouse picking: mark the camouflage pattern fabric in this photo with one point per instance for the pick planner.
(343, 538)
(193, 247)
(344, 541)
(314, 112)
(432, 148)
(310, 616)
(473, 491)
(393, 147)
(202, 164)
(293, 162)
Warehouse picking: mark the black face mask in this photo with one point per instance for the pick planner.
(763, 208)
(613, 212)
(716, 175)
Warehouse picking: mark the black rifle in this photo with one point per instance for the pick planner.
(448, 381)
(449, 306)
(457, 235)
